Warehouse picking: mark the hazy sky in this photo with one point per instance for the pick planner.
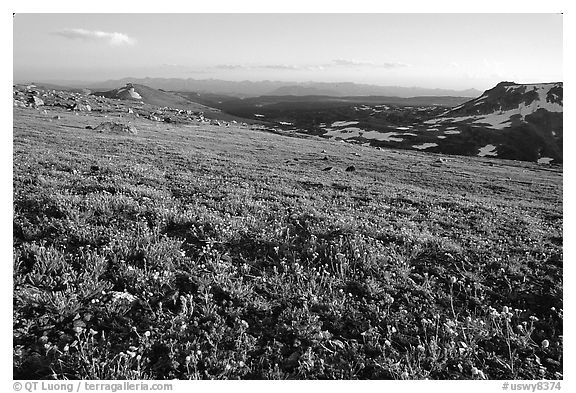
(428, 50)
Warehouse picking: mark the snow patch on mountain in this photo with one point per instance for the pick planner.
(488, 150)
(343, 123)
(424, 146)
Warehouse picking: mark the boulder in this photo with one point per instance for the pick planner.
(116, 128)
(81, 107)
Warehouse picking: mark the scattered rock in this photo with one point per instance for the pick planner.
(89, 127)
(325, 158)
(57, 117)
(351, 168)
(35, 101)
(94, 168)
(328, 168)
(116, 128)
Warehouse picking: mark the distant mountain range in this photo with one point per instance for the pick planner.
(272, 88)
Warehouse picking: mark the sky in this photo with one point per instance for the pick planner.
(456, 51)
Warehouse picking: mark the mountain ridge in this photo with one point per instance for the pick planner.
(258, 88)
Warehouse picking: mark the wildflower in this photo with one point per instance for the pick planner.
(453, 280)
(468, 320)
(545, 343)
(78, 329)
(132, 351)
(244, 324)
(147, 333)
(421, 348)
(188, 358)
(66, 348)
(404, 375)
(505, 310)
(475, 371)
(93, 332)
(387, 343)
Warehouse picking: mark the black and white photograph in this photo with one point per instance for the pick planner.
(287, 196)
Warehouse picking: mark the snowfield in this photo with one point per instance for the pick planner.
(545, 160)
(488, 150)
(355, 132)
(424, 146)
(343, 123)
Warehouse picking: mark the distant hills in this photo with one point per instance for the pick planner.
(244, 89)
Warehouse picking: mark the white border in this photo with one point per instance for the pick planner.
(302, 6)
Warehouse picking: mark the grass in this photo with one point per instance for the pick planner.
(204, 252)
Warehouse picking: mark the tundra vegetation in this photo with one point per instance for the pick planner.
(195, 251)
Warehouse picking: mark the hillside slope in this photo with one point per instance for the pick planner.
(196, 251)
(145, 94)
